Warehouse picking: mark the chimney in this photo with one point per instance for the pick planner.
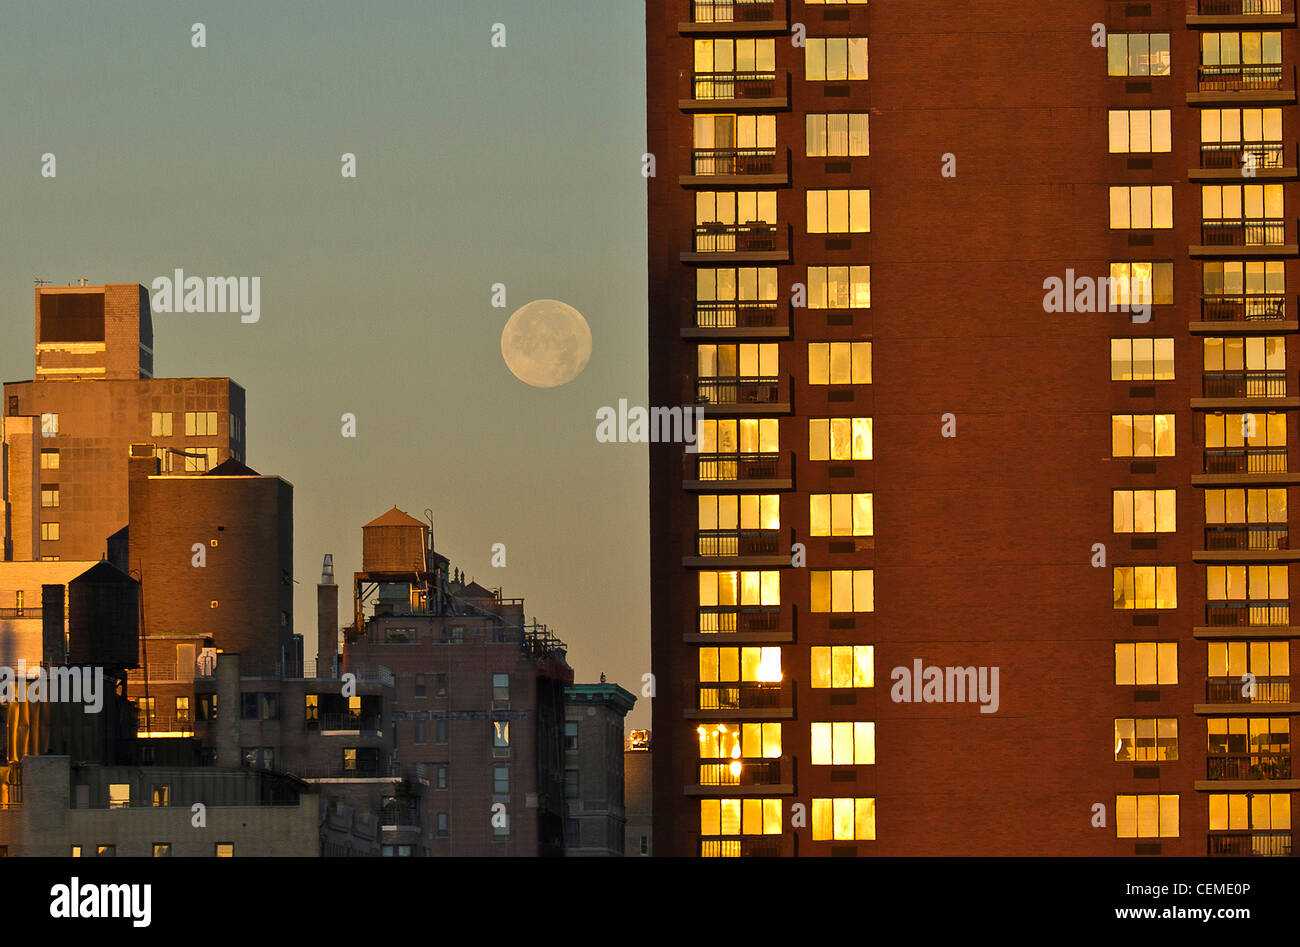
(327, 619)
(54, 642)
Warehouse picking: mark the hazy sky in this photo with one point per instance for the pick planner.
(475, 166)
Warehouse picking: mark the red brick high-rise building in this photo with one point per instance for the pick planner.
(912, 458)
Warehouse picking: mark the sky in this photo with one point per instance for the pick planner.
(475, 166)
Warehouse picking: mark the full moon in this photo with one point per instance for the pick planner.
(546, 343)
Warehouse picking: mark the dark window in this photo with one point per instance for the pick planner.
(270, 706)
(443, 825)
(207, 706)
(570, 734)
(421, 689)
(248, 706)
(440, 685)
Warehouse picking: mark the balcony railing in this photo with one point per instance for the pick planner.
(751, 237)
(1263, 842)
(748, 695)
(736, 315)
(1249, 537)
(1243, 614)
(1239, 7)
(1265, 307)
(164, 723)
(711, 86)
(1231, 154)
(734, 11)
(1239, 460)
(1253, 384)
(1267, 690)
(750, 772)
(726, 619)
(23, 612)
(730, 467)
(1244, 232)
(1249, 766)
(737, 542)
(408, 815)
(741, 846)
(1239, 77)
(346, 722)
(707, 161)
(715, 390)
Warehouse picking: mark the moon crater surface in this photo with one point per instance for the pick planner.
(546, 343)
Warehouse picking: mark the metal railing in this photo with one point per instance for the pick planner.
(1239, 7)
(1248, 766)
(1247, 307)
(711, 86)
(750, 772)
(1239, 77)
(740, 846)
(1231, 154)
(1267, 690)
(1238, 460)
(1243, 232)
(1251, 384)
(1263, 842)
(736, 315)
(164, 723)
(741, 696)
(356, 722)
(707, 161)
(746, 618)
(736, 542)
(737, 466)
(763, 390)
(409, 815)
(1250, 537)
(754, 236)
(1243, 614)
(734, 11)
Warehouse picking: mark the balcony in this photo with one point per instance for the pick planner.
(1245, 460)
(396, 818)
(751, 700)
(734, 11)
(737, 542)
(1262, 842)
(1249, 766)
(770, 776)
(1228, 690)
(769, 471)
(766, 394)
(1244, 232)
(741, 319)
(1247, 307)
(1247, 537)
(1239, 614)
(755, 241)
(1239, 77)
(1239, 7)
(1247, 384)
(346, 723)
(737, 167)
(159, 725)
(752, 91)
(1230, 155)
(741, 846)
(762, 620)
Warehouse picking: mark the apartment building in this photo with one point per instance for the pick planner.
(960, 568)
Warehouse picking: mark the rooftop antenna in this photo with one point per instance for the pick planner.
(82, 281)
(428, 515)
(42, 282)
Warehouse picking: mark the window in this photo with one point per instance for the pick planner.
(119, 795)
(161, 424)
(49, 532)
(1241, 583)
(501, 779)
(440, 777)
(843, 666)
(1255, 354)
(839, 439)
(49, 425)
(145, 708)
(162, 849)
(440, 685)
(750, 511)
(106, 851)
(842, 590)
(420, 731)
(444, 825)
(570, 734)
(200, 423)
(162, 793)
(839, 287)
(440, 731)
(1238, 49)
(740, 588)
(645, 845)
(76, 851)
(1142, 207)
(225, 849)
(730, 296)
(1239, 507)
(843, 743)
(200, 459)
(1233, 126)
(1144, 511)
(839, 363)
(754, 741)
(500, 732)
(725, 817)
(839, 211)
(728, 134)
(1261, 658)
(311, 707)
(183, 711)
(1146, 586)
(840, 514)
(734, 55)
(1141, 359)
(399, 635)
(746, 360)
(1146, 816)
(49, 460)
(1142, 435)
(1137, 54)
(1146, 662)
(733, 665)
(208, 707)
(421, 688)
(841, 135)
(1257, 744)
(49, 495)
(165, 459)
(1245, 278)
(1255, 430)
(1141, 282)
(1146, 739)
(732, 207)
(1254, 203)
(1139, 131)
(743, 436)
(570, 784)
(1261, 810)
(835, 58)
(843, 820)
